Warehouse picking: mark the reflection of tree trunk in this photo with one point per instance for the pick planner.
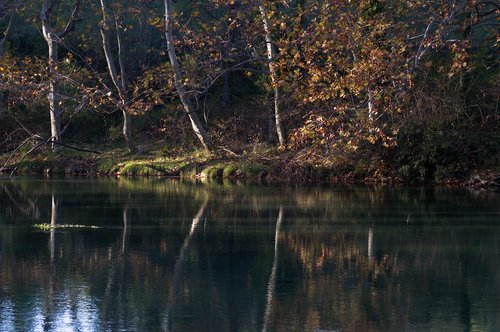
(106, 301)
(126, 221)
(27, 206)
(272, 278)
(370, 243)
(179, 263)
(122, 258)
(54, 211)
(465, 310)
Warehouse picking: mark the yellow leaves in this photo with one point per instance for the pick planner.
(156, 22)
(316, 77)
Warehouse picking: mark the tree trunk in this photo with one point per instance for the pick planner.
(53, 96)
(271, 54)
(127, 117)
(121, 84)
(371, 108)
(52, 40)
(127, 131)
(188, 107)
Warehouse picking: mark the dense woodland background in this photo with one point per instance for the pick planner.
(402, 88)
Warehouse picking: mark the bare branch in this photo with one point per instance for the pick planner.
(70, 26)
(108, 54)
(121, 61)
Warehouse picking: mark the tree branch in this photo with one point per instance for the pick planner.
(70, 26)
(108, 54)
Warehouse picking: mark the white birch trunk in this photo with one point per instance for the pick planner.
(53, 97)
(271, 55)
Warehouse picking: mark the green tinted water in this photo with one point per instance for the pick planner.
(173, 256)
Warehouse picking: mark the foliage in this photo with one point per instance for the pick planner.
(402, 87)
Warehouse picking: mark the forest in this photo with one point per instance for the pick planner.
(307, 90)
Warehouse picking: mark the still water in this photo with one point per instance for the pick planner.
(164, 255)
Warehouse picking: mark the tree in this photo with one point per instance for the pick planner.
(120, 83)
(53, 39)
(178, 80)
(271, 55)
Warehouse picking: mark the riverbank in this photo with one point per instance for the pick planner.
(265, 164)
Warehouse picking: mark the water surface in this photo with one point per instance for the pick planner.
(164, 255)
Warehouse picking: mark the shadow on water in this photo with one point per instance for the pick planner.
(170, 255)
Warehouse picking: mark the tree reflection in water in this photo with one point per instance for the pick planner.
(348, 258)
(272, 278)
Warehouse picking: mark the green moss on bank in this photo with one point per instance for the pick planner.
(269, 165)
(197, 164)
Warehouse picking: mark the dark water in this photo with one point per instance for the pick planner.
(173, 256)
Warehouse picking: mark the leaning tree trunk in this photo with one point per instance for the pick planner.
(121, 84)
(271, 55)
(188, 106)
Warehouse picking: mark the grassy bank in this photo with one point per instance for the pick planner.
(265, 163)
(268, 164)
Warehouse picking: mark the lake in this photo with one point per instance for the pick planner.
(105, 254)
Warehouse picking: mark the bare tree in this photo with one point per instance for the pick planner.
(120, 84)
(271, 55)
(53, 38)
(178, 79)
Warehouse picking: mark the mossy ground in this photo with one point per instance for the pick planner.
(117, 162)
(259, 164)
